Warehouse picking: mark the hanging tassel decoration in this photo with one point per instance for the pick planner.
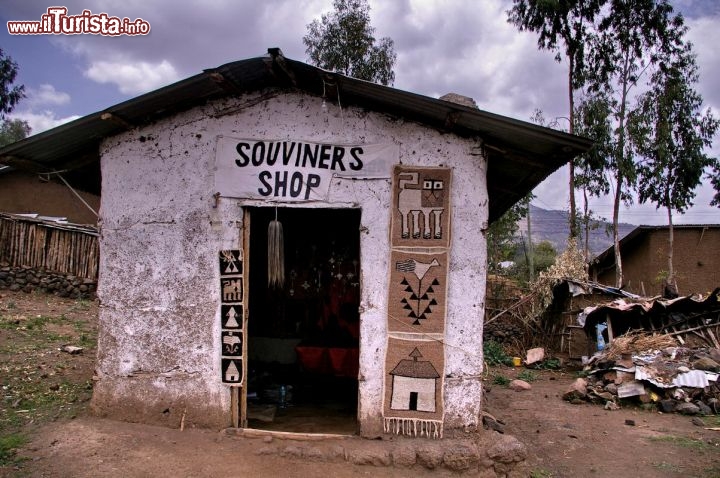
(276, 254)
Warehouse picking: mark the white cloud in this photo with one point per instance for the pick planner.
(46, 95)
(40, 122)
(133, 77)
(705, 36)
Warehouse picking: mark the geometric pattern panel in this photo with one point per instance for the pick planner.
(418, 288)
(231, 317)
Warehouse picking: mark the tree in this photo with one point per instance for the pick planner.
(343, 41)
(9, 94)
(714, 178)
(592, 120)
(670, 133)
(13, 130)
(629, 37)
(562, 26)
(500, 235)
(542, 255)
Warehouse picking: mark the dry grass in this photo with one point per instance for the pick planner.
(634, 342)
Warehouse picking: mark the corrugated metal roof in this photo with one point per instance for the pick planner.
(625, 309)
(520, 154)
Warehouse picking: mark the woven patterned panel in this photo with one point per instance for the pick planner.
(417, 301)
(421, 207)
(418, 287)
(413, 403)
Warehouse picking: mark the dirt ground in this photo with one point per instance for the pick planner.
(46, 431)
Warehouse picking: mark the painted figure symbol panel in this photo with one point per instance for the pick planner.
(231, 316)
(232, 371)
(230, 262)
(232, 290)
(231, 343)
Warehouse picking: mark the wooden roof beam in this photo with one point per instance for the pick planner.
(117, 120)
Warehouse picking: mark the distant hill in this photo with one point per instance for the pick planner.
(552, 226)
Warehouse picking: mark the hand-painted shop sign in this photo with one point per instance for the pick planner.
(289, 170)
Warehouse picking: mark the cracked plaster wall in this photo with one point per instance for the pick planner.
(158, 350)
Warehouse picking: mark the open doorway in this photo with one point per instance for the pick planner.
(303, 337)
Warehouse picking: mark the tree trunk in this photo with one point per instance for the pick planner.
(620, 167)
(616, 239)
(573, 208)
(586, 221)
(531, 253)
(671, 270)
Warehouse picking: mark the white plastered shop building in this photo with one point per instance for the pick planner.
(366, 318)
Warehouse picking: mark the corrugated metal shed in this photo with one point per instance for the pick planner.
(520, 154)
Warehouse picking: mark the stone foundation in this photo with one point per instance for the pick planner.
(29, 280)
(486, 454)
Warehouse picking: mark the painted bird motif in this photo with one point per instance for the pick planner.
(417, 268)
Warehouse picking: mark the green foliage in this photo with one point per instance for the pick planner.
(37, 322)
(561, 27)
(343, 41)
(81, 304)
(654, 148)
(544, 255)
(527, 375)
(8, 446)
(630, 39)
(669, 133)
(494, 354)
(683, 442)
(9, 94)
(667, 467)
(501, 243)
(548, 364)
(12, 131)
(593, 120)
(540, 473)
(500, 380)
(712, 421)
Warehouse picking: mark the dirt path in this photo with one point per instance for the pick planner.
(45, 393)
(567, 440)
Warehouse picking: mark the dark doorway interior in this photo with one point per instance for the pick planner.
(303, 337)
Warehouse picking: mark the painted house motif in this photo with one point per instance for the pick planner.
(232, 373)
(413, 385)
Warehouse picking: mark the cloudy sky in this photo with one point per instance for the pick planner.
(462, 46)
